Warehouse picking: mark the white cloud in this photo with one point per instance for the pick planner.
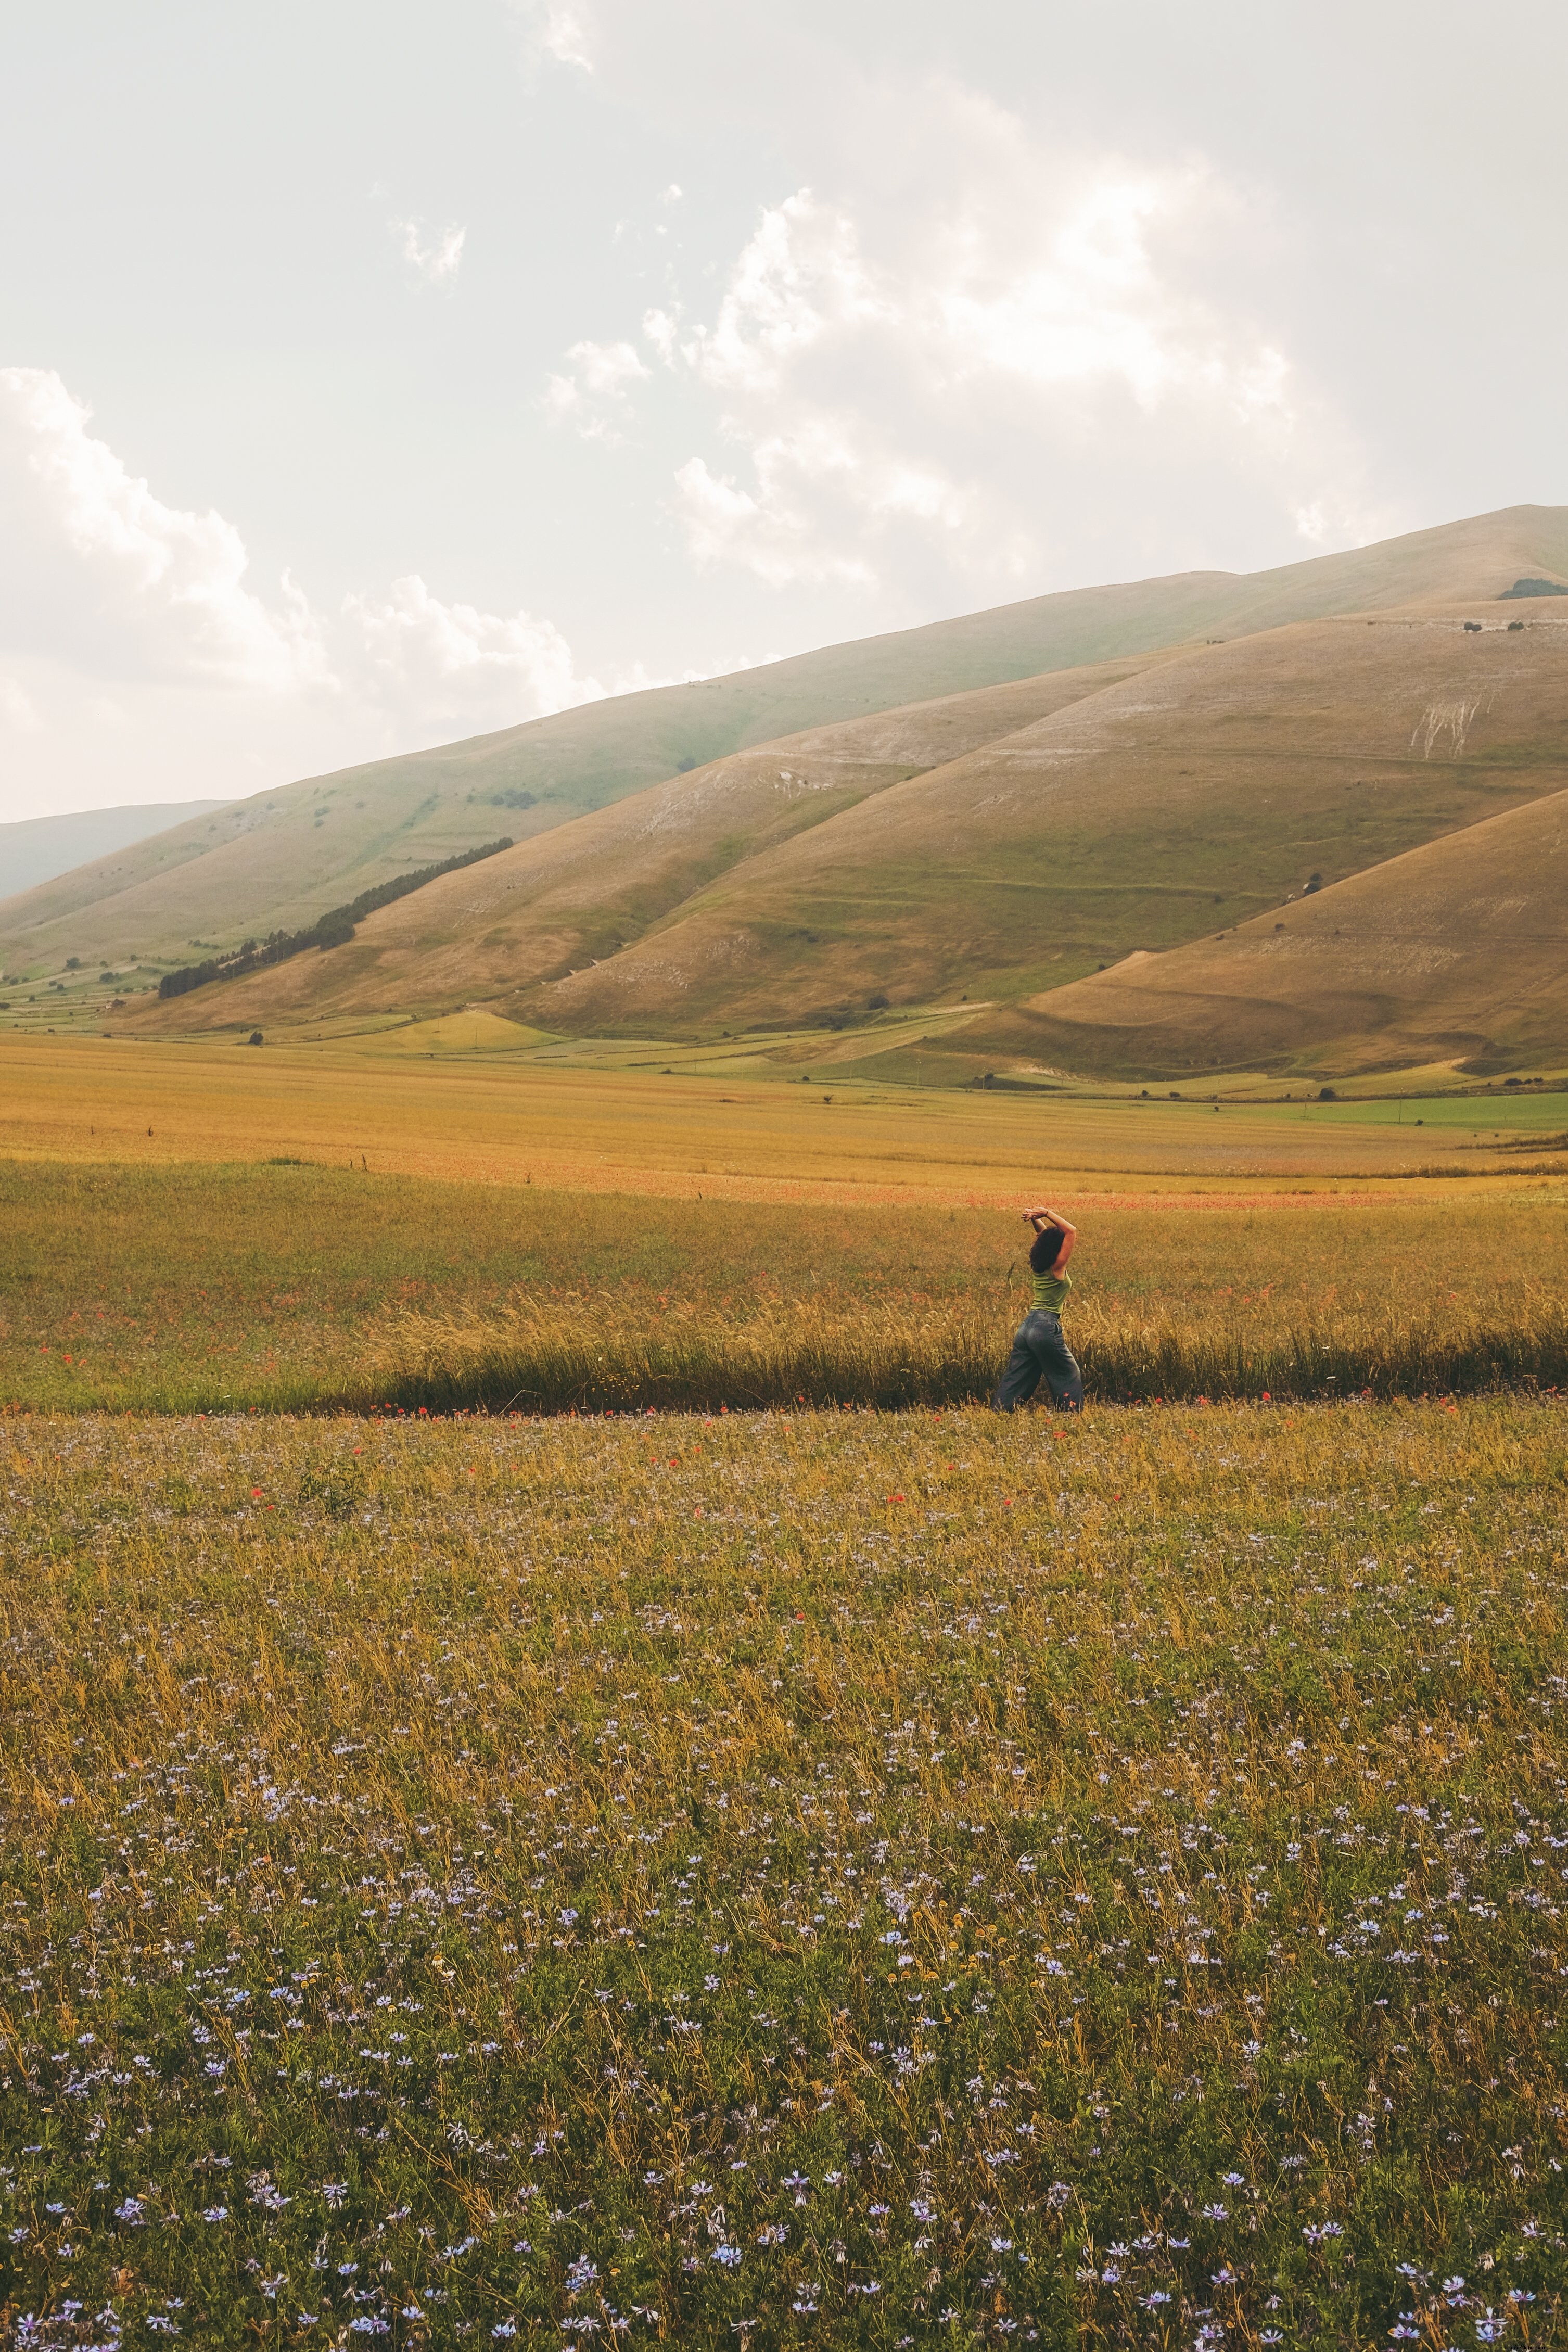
(437, 261)
(593, 397)
(661, 332)
(138, 664)
(408, 653)
(976, 361)
(556, 29)
(961, 391)
(801, 280)
(101, 573)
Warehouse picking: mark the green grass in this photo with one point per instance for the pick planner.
(887, 1882)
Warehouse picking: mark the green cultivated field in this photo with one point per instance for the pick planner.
(891, 1882)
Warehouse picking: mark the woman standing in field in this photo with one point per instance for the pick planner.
(1039, 1351)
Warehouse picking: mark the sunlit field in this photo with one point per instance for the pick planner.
(537, 1807)
(644, 1125)
(895, 1881)
(204, 1288)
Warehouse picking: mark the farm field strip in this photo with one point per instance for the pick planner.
(906, 1881)
(97, 1099)
(192, 1287)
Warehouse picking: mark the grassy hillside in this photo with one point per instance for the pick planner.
(584, 890)
(1179, 802)
(1457, 949)
(282, 857)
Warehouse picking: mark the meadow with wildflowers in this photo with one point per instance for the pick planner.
(761, 1880)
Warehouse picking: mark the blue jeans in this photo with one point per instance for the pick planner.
(1040, 1353)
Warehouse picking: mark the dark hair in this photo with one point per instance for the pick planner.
(1047, 1244)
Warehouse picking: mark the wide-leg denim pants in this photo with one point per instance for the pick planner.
(1040, 1353)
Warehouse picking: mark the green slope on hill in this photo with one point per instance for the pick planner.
(1175, 803)
(36, 849)
(282, 857)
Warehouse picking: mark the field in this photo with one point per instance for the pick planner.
(890, 1882)
(758, 1877)
(281, 1287)
(781, 1117)
(208, 1228)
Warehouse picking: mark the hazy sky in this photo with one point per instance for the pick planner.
(376, 372)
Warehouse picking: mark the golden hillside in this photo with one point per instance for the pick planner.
(1457, 950)
(1181, 801)
(282, 857)
(571, 896)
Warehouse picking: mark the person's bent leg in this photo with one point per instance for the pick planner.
(1021, 1376)
(1060, 1368)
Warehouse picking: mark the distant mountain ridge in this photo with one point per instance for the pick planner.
(35, 849)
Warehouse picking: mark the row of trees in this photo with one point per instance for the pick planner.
(331, 929)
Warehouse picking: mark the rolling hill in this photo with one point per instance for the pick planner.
(1183, 801)
(1457, 950)
(1003, 844)
(36, 849)
(282, 857)
(571, 896)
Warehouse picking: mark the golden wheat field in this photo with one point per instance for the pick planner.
(562, 1781)
(725, 1133)
(277, 1285)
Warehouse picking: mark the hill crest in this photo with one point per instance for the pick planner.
(282, 857)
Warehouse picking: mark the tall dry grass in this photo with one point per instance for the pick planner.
(601, 1351)
(299, 1289)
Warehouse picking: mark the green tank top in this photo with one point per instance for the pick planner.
(1049, 1291)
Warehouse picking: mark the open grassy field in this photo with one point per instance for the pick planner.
(733, 1121)
(204, 1287)
(772, 1877)
(206, 1228)
(786, 1880)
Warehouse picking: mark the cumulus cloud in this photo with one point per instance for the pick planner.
(101, 574)
(593, 396)
(434, 259)
(557, 30)
(964, 393)
(451, 664)
(135, 653)
(964, 370)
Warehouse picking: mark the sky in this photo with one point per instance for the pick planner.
(375, 372)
